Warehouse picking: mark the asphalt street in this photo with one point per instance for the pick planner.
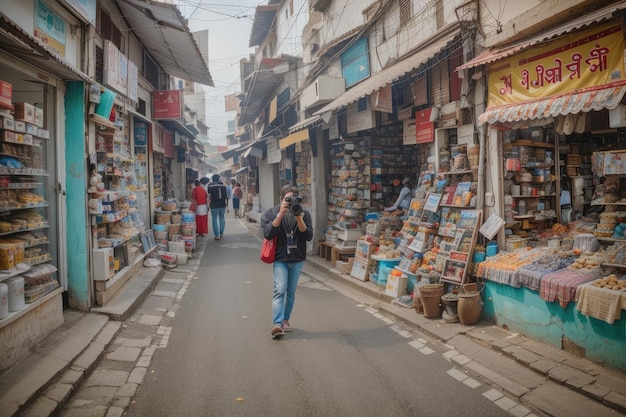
(342, 359)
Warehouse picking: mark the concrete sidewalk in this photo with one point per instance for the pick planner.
(517, 368)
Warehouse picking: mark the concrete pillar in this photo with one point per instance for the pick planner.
(78, 271)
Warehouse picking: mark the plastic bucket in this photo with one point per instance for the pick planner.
(4, 300)
(16, 293)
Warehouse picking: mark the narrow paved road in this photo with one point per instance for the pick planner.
(342, 359)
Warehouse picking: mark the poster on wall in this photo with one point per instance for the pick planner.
(50, 28)
(141, 134)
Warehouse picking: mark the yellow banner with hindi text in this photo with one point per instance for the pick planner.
(593, 58)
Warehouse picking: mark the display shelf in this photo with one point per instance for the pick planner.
(29, 229)
(24, 200)
(460, 207)
(30, 206)
(618, 203)
(610, 239)
(20, 185)
(13, 272)
(532, 144)
(460, 172)
(613, 265)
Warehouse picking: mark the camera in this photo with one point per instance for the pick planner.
(295, 204)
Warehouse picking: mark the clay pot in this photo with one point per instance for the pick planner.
(469, 307)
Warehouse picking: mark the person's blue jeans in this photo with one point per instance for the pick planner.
(218, 220)
(285, 282)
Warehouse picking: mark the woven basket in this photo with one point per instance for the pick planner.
(168, 206)
(177, 218)
(174, 229)
(160, 235)
(187, 230)
(163, 218)
(430, 295)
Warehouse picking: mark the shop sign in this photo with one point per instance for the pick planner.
(50, 28)
(424, 128)
(167, 105)
(360, 120)
(133, 81)
(85, 8)
(589, 58)
(141, 133)
(115, 68)
(381, 99)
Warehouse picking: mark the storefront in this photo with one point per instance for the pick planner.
(37, 90)
(554, 152)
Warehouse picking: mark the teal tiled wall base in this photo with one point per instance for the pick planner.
(522, 310)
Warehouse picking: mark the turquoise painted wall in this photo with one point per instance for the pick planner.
(76, 196)
(522, 310)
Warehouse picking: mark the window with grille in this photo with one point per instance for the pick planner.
(150, 70)
(405, 12)
(109, 31)
(99, 65)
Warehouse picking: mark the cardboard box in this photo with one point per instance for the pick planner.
(396, 285)
(45, 134)
(349, 234)
(346, 267)
(20, 126)
(30, 129)
(24, 111)
(8, 123)
(6, 94)
(38, 117)
(8, 136)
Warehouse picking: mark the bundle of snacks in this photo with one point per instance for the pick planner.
(610, 282)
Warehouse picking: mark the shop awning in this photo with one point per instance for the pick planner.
(294, 138)
(571, 103)
(262, 25)
(165, 34)
(311, 121)
(25, 46)
(497, 53)
(259, 87)
(388, 75)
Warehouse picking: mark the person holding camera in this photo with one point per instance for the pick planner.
(292, 226)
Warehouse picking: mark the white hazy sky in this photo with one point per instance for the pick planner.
(229, 23)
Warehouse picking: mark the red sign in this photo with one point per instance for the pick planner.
(424, 128)
(167, 105)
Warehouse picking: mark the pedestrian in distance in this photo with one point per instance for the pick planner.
(237, 194)
(292, 226)
(199, 202)
(219, 205)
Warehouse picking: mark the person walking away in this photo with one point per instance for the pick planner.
(291, 232)
(199, 198)
(403, 202)
(237, 194)
(219, 203)
(229, 188)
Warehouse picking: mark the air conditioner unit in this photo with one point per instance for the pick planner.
(323, 90)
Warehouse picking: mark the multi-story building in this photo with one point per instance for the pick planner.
(92, 122)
